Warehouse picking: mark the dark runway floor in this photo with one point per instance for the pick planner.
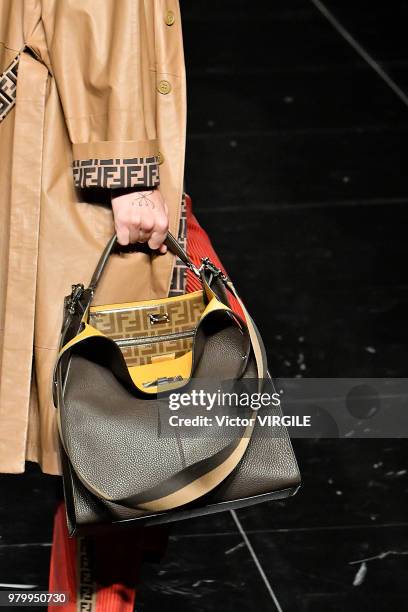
(295, 166)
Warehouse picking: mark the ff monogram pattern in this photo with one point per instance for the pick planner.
(179, 278)
(134, 323)
(86, 588)
(115, 173)
(8, 87)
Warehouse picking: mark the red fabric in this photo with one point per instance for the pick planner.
(199, 245)
(99, 573)
(63, 562)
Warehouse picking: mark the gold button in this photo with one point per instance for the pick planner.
(164, 87)
(170, 18)
(160, 157)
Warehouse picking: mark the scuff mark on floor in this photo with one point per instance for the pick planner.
(360, 575)
(234, 548)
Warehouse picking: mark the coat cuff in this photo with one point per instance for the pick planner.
(112, 164)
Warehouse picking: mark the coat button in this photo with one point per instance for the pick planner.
(170, 18)
(164, 87)
(160, 157)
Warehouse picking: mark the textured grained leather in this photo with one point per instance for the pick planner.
(268, 471)
(101, 413)
(109, 432)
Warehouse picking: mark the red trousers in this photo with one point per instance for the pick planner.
(99, 573)
(199, 245)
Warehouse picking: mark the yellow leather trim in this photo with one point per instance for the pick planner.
(146, 303)
(87, 332)
(213, 304)
(152, 371)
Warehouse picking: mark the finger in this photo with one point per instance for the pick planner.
(143, 236)
(163, 248)
(122, 234)
(147, 224)
(159, 233)
(136, 235)
(162, 226)
(154, 242)
(134, 227)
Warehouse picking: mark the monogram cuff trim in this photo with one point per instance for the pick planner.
(117, 172)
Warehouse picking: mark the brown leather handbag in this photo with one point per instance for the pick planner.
(117, 368)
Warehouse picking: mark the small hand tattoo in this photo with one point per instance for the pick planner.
(143, 200)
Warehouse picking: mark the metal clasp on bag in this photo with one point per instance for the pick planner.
(207, 264)
(163, 380)
(77, 291)
(158, 317)
(193, 268)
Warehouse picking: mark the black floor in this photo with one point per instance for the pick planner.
(297, 169)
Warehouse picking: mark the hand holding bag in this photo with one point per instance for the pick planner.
(117, 365)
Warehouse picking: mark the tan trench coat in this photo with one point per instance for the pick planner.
(100, 103)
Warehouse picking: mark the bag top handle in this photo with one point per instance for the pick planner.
(170, 241)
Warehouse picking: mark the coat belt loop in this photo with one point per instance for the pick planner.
(8, 88)
(8, 81)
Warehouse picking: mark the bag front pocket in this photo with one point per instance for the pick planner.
(151, 349)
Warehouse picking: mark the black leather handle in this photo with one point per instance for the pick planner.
(170, 242)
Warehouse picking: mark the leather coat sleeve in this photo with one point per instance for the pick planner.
(102, 58)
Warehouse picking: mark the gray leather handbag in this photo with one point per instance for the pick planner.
(117, 369)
